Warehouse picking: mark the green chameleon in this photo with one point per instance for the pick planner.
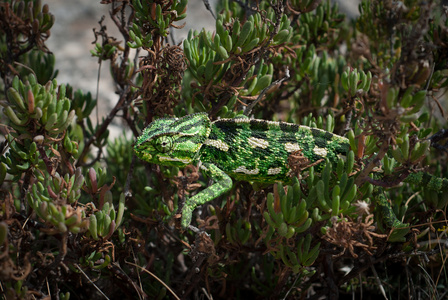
(245, 149)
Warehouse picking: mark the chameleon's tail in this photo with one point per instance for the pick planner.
(423, 179)
(429, 181)
(388, 215)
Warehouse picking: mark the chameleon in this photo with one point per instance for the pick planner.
(244, 149)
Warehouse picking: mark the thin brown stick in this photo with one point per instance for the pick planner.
(157, 278)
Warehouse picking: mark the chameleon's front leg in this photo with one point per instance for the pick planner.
(223, 183)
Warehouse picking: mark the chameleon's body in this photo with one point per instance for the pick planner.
(244, 149)
(258, 151)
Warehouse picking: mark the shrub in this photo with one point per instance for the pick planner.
(81, 216)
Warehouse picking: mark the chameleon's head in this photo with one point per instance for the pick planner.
(172, 141)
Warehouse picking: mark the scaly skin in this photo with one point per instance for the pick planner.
(244, 149)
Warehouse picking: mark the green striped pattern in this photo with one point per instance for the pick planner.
(258, 150)
(251, 150)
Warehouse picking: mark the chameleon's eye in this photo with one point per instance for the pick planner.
(163, 144)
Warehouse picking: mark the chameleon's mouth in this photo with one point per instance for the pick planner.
(140, 151)
(175, 160)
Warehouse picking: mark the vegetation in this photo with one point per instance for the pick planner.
(81, 217)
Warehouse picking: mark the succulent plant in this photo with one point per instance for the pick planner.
(78, 210)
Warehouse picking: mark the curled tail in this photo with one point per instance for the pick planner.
(425, 180)
(428, 181)
(388, 215)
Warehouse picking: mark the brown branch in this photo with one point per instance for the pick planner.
(120, 105)
(372, 164)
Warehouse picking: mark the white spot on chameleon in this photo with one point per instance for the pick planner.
(167, 158)
(256, 142)
(217, 144)
(320, 151)
(273, 171)
(290, 147)
(241, 120)
(273, 123)
(243, 169)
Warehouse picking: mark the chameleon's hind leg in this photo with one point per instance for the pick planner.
(387, 213)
